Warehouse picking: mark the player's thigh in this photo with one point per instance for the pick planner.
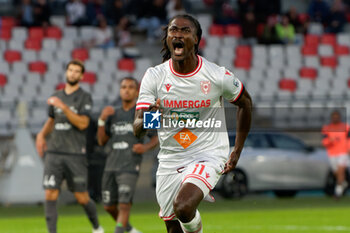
(109, 189)
(204, 175)
(76, 172)
(343, 161)
(53, 172)
(126, 187)
(166, 189)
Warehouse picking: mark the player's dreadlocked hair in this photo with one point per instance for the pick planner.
(165, 49)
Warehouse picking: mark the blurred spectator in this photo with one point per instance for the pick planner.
(336, 140)
(224, 13)
(249, 29)
(294, 19)
(265, 8)
(123, 33)
(42, 13)
(115, 12)
(175, 7)
(337, 17)
(245, 6)
(102, 37)
(75, 13)
(318, 11)
(94, 10)
(151, 16)
(285, 31)
(25, 14)
(269, 35)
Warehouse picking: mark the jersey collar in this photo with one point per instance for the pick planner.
(199, 66)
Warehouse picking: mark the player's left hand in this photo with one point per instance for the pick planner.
(139, 148)
(56, 102)
(231, 163)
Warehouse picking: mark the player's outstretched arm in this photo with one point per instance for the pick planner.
(102, 137)
(40, 141)
(139, 131)
(244, 116)
(79, 121)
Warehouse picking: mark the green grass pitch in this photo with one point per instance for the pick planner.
(249, 215)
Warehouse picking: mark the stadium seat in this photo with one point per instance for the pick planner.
(343, 39)
(38, 66)
(89, 77)
(230, 41)
(4, 67)
(3, 80)
(315, 28)
(97, 54)
(243, 52)
(29, 56)
(126, 64)
(8, 22)
(233, 30)
(329, 61)
(308, 72)
(311, 40)
(33, 44)
(20, 33)
(60, 86)
(309, 50)
(312, 61)
(20, 68)
(213, 42)
(329, 39)
(348, 83)
(202, 43)
(114, 54)
(217, 30)
(33, 79)
(16, 45)
(49, 44)
(70, 33)
(5, 34)
(344, 61)
(53, 33)
(325, 50)
(341, 50)
(242, 63)
(80, 54)
(36, 33)
(87, 32)
(12, 56)
(92, 66)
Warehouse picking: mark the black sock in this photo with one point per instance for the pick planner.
(119, 228)
(91, 212)
(51, 216)
(128, 227)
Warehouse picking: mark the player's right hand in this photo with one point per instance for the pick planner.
(106, 112)
(154, 107)
(40, 144)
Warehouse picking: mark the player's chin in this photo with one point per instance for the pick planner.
(178, 57)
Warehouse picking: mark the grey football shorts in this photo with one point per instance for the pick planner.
(118, 187)
(72, 168)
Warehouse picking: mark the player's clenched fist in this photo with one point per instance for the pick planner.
(56, 102)
(232, 162)
(139, 148)
(155, 106)
(106, 112)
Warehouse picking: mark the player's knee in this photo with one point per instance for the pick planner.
(183, 211)
(51, 194)
(110, 208)
(82, 199)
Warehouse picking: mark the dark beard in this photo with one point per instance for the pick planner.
(73, 83)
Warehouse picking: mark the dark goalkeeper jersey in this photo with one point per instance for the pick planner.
(65, 137)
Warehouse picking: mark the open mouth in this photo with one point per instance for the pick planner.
(178, 47)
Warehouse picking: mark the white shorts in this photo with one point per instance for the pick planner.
(204, 175)
(340, 160)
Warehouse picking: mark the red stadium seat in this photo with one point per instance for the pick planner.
(3, 80)
(38, 67)
(309, 50)
(349, 83)
(260, 29)
(329, 61)
(126, 64)
(303, 18)
(242, 63)
(5, 34)
(234, 30)
(202, 43)
(33, 44)
(12, 56)
(80, 54)
(329, 39)
(89, 77)
(60, 86)
(288, 84)
(216, 30)
(340, 50)
(54, 33)
(36, 33)
(244, 52)
(8, 22)
(311, 40)
(308, 73)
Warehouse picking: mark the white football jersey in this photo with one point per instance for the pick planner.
(194, 97)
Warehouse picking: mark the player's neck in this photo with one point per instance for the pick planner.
(69, 89)
(186, 66)
(128, 105)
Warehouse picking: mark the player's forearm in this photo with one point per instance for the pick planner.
(79, 121)
(152, 143)
(139, 131)
(244, 116)
(102, 137)
(47, 128)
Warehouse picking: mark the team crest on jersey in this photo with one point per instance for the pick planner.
(167, 86)
(205, 86)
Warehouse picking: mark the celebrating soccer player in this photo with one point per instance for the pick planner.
(192, 159)
(65, 157)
